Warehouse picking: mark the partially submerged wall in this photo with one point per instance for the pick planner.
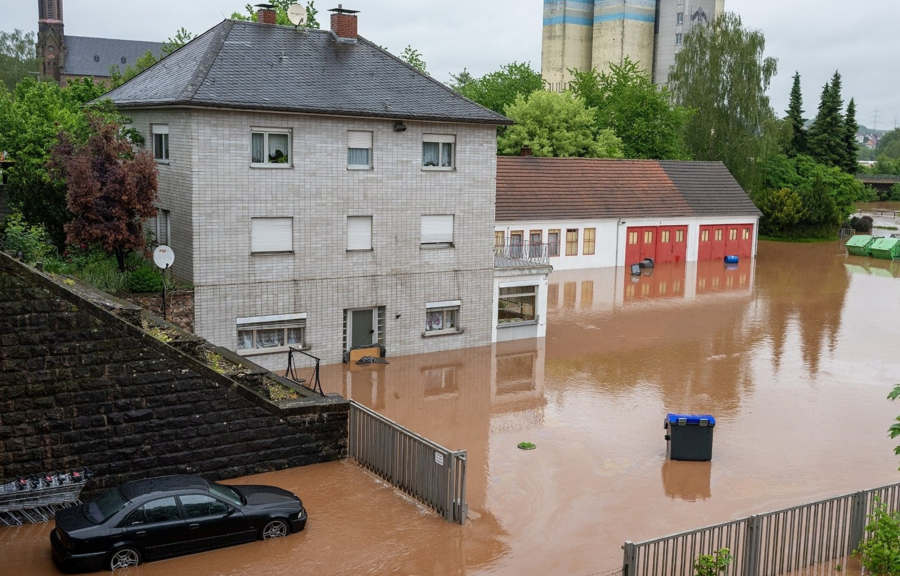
(81, 386)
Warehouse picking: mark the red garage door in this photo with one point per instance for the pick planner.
(640, 244)
(671, 245)
(746, 242)
(712, 242)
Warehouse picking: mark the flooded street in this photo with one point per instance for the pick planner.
(794, 354)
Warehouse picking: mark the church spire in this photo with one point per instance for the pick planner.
(51, 44)
(50, 10)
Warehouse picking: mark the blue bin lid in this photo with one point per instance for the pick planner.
(691, 419)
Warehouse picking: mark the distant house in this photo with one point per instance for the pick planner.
(595, 213)
(321, 193)
(65, 58)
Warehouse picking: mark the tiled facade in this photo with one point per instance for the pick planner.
(213, 192)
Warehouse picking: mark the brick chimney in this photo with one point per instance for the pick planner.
(265, 14)
(525, 151)
(343, 24)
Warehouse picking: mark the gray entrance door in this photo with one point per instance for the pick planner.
(362, 327)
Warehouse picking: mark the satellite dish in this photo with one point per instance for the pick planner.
(163, 257)
(297, 14)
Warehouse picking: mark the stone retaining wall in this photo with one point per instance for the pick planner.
(179, 306)
(81, 386)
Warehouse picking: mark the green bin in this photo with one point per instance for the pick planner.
(885, 248)
(859, 244)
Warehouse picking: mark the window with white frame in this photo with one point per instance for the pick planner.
(270, 147)
(163, 227)
(437, 231)
(269, 235)
(160, 134)
(517, 304)
(271, 332)
(438, 151)
(359, 233)
(359, 150)
(442, 317)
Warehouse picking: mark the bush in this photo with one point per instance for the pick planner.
(879, 552)
(713, 564)
(862, 225)
(144, 280)
(32, 241)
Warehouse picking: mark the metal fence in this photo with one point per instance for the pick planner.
(430, 473)
(767, 544)
(513, 253)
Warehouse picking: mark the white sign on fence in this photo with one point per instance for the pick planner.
(439, 458)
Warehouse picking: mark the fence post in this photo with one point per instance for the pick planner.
(857, 521)
(629, 567)
(751, 546)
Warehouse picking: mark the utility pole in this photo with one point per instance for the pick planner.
(875, 118)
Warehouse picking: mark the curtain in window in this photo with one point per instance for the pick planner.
(257, 152)
(447, 159)
(278, 148)
(295, 336)
(450, 319)
(358, 156)
(245, 339)
(431, 152)
(270, 338)
(434, 320)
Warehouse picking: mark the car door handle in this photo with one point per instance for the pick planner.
(141, 533)
(192, 526)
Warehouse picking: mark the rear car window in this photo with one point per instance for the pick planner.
(101, 509)
(162, 510)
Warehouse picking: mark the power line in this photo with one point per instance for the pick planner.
(875, 116)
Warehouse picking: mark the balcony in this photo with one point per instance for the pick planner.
(521, 254)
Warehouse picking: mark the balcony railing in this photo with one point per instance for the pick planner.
(512, 254)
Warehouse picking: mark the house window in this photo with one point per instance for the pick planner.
(438, 151)
(679, 235)
(163, 228)
(679, 18)
(517, 304)
(516, 240)
(270, 333)
(442, 317)
(359, 233)
(678, 39)
(359, 150)
(553, 242)
(572, 242)
(269, 235)
(590, 235)
(160, 134)
(437, 231)
(270, 148)
(535, 249)
(499, 241)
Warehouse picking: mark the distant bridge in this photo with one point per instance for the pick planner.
(880, 182)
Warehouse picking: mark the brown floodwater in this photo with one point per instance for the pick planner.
(793, 353)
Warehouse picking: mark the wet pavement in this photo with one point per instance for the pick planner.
(794, 354)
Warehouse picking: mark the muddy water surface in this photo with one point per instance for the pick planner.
(793, 353)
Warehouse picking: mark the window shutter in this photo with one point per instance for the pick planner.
(437, 229)
(359, 233)
(160, 128)
(271, 234)
(359, 139)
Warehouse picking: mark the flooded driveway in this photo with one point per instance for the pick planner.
(793, 353)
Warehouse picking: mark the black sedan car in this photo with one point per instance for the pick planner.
(169, 516)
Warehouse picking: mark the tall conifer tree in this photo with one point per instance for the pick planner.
(798, 122)
(826, 136)
(851, 148)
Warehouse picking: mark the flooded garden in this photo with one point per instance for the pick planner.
(793, 353)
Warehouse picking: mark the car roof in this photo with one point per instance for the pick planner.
(162, 484)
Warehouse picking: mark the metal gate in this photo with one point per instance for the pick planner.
(430, 473)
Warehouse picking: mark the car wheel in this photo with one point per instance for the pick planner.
(124, 557)
(275, 529)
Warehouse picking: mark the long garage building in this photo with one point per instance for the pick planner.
(592, 213)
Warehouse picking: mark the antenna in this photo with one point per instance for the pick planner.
(296, 13)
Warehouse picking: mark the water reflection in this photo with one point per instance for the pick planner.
(689, 481)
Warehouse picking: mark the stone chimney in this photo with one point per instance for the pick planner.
(343, 24)
(265, 14)
(525, 151)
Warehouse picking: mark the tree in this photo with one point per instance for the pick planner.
(826, 133)
(554, 124)
(632, 106)
(111, 189)
(850, 163)
(499, 89)
(414, 58)
(798, 122)
(281, 17)
(459, 81)
(782, 210)
(18, 57)
(722, 74)
(889, 145)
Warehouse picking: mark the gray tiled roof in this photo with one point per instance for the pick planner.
(94, 56)
(709, 188)
(248, 65)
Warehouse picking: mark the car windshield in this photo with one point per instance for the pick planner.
(102, 508)
(226, 493)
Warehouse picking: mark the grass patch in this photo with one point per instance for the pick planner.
(279, 392)
(215, 361)
(887, 227)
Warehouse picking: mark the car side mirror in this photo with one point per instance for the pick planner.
(230, 512)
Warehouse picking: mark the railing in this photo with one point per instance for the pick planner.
(430, 473)
(767, 544)
(512, 254)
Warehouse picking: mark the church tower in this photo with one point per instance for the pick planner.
(51, 43)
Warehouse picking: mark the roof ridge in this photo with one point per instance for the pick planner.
(223, 29)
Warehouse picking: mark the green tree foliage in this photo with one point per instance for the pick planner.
(721, 72)
(281, 17)
(781, 209)
(850, 162)
(499, 89)
(111, 189)
(18, 57)
(826, 133)
(797, 144)
(554, 124)
(640, 113)
(713, 564)
(414, 58)
(31, 119)
(889, 145)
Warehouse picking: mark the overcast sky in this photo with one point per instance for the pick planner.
(814, 37)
